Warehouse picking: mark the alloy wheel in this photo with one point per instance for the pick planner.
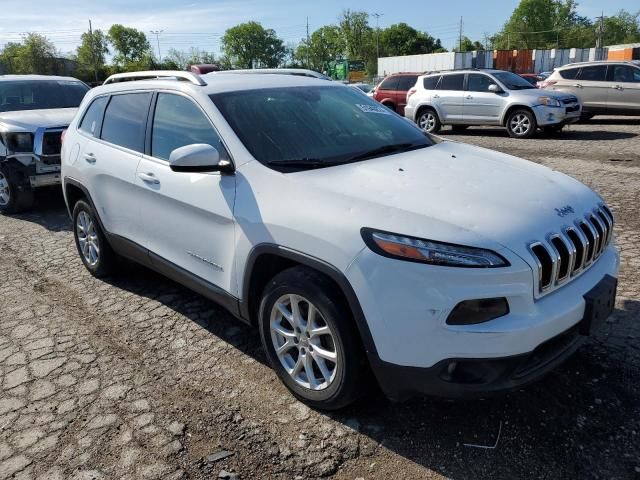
(520, 124)
(88, 239)
(427, 121)
(303, 342)
(5, 193)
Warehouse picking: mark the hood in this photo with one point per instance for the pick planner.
(31, 120)
(535, 93)
(455, 193)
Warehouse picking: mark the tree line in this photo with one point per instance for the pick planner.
(533, 24)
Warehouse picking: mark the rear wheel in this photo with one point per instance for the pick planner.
(521, 124)
(310, 339)
(13, 198)
(428, 121)
(95, 252)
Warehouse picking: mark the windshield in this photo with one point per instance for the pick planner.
(512, 81)
(312, 127)
(40, 94)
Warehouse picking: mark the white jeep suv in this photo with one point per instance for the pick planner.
(354, 241)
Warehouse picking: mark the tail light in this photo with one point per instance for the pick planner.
(410, 92)
(64, 132)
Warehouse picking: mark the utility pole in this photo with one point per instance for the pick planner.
(460, 41)
(157, 34)
(308, 43)
(93, 52)
(600, 31)
(377, 15)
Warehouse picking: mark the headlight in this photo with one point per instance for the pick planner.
(427, 251)
(19, 142)
(549, 101)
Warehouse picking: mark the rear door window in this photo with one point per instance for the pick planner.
(93, 117)
(125, 120)
(569, 73)
(389, 83)
(452, 82)
(430, 83)
(407, 82)
(596, 73)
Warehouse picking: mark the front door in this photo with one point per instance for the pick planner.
(188, 217)
(480, 105)
(624, 90)
(592, 87)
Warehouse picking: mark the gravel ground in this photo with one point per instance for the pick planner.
(137, 377)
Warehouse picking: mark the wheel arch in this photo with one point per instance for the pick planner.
(427, 106)
(266, 260)
(511, 108)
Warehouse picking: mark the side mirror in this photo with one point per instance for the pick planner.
(199, 157)
(495, 88)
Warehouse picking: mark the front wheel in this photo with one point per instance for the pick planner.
(429, 121)
(310, 339)
(13, 198)
(521, 124)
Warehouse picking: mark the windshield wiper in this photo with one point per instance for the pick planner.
(300, 162)
(388, 149)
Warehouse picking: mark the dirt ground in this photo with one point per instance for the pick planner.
(138, 378)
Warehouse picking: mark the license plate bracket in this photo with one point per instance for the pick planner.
(600, 302)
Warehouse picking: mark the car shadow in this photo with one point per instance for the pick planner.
(580, 421)
(48, 210)
(613, 121)
(567, 134)
(555, 428)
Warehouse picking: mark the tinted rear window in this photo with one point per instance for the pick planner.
(431, 82)
(597, 73)
(92, 119)
(452, 82)
(569, 73)
(407, 82)
(389, 83)
(125, 120)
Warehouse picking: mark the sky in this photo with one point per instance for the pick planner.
(201, 23)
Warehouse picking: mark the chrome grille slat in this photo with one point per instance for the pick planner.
(566, 254)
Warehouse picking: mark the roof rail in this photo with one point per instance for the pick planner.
(155, 74)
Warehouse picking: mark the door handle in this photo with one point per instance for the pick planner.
(578, 85)
(617, 87)
(469, 97)
(436, 96)
(90, 157)
(148, 178)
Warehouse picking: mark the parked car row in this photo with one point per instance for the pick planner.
(349, 237)
(521, 103)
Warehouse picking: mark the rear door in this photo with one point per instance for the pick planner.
(592, 87)
(480, 105)
(112, 158)
(386, 91)
(188, 217)
(624, 89)
(449, 98)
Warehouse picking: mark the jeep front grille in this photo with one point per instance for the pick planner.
(569, 252)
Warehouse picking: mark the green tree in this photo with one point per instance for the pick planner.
(624, 27)
(183, 59)
(468, 45)
(325, 45)
(401, 39)
(36, 54)
(131, 46)
(357, 34)
(91, 54)
(250, 45)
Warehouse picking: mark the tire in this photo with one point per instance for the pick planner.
(337, 383)
(390, 106)
(94, 250)
(459, 128)
(553, 129)
(429, 121)
(13, 198)
(521, 124)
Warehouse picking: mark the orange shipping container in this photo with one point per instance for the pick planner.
(621, 54)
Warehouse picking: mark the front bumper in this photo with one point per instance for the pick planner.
(565, 115)
(406, 306)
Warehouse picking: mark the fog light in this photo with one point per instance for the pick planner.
(471, 312)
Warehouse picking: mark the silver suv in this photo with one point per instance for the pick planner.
(488, 97)
(606, 87)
